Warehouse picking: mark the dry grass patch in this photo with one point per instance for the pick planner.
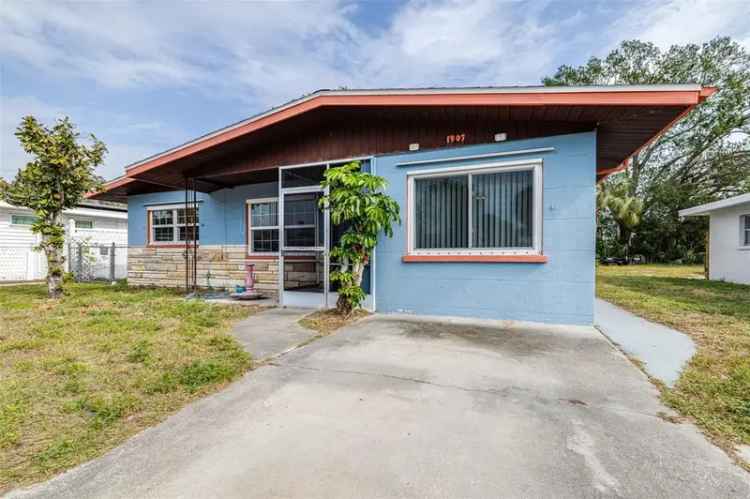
(327, 321)
(714, 388)
(79, 376)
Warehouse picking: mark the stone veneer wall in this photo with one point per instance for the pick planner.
(218, 267)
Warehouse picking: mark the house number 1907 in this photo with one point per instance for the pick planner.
(457, 138)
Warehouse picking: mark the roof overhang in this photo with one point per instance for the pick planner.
(667, 103)
(706, 209)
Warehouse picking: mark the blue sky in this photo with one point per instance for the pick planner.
(147, 76)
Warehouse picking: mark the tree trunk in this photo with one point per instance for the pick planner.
(53, 243)
(358, 271)
(55, 261)
(344, 305)
(625, 236)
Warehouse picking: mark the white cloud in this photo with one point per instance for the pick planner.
(118, 136)
(268, 53)
(678, 22)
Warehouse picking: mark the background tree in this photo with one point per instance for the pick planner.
(617, 207)
(356, 201)
(57, 178)
(704, 157)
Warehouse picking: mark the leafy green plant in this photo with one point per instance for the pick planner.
(57, 178)
(355, 200)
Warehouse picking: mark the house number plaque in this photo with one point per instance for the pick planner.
(456, 138)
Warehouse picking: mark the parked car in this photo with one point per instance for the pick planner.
(613, 260)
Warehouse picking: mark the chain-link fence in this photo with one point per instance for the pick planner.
(86, 261)
(92, 262)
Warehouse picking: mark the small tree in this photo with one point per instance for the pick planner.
(57, 178)
(356, 200)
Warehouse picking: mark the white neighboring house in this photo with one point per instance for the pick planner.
(729, 238)
(90, 223)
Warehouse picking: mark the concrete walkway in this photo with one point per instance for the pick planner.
(272, 332)
(663, 350)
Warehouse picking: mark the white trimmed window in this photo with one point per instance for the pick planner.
(172, 224)
(263, 226)
(84, 224)
(489, 209)
(22, 219)
(745, 230)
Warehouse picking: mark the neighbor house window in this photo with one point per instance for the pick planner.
(173, 224)
(22, 219)
(487, 209)
(84, 224)
(263, 224)
(745, 230)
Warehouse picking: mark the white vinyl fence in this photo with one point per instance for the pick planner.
(21, 263)
(86, 261)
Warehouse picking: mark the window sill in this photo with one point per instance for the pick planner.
(262, 256)
(170, 245)
(474, 259)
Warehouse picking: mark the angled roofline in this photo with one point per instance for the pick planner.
(690, 94)
(705, 209)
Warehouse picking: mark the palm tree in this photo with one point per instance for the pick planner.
(613, 197)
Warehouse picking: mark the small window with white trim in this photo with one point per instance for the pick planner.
(171, 224)
(22, 219)
(84, 224)
(491, 209)
(263, 226)
(745, 230)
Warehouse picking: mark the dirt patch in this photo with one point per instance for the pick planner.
(326, 322)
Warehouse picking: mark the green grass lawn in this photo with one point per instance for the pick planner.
(79, 376)
(714, 389)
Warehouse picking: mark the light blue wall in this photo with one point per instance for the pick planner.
(559, 291)
(222, 215)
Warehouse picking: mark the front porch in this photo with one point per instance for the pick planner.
(209, 241)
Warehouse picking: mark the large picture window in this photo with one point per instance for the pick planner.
(173, 225)
(488, 209)
(263, 218)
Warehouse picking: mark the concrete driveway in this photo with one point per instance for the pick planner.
(405, 408)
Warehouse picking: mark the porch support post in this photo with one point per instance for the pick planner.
(193, 238)
(187, 245)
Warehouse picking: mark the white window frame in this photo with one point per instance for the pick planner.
(176, 233)
(77, 220)
(251, 228)
(14, 215)
(534, 165)
(744, 232)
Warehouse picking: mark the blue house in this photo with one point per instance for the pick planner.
(497, 188)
